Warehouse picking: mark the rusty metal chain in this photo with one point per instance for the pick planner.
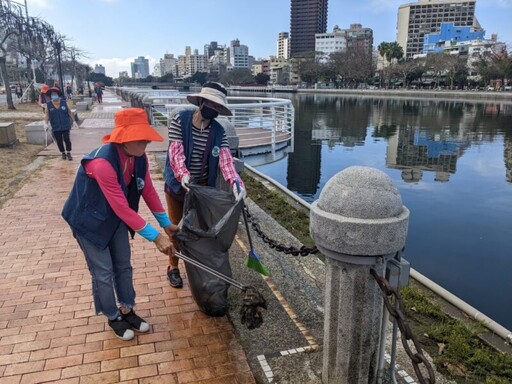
(397, 312)
(287, 250)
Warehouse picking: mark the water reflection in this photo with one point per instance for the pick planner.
(452, 163)
(421, 135)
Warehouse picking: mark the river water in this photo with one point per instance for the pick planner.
(452, 163)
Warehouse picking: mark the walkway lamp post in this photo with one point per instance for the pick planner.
(58, 49)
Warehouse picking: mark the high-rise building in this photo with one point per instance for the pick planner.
(417, 19)
(450, 35)
(359, 38)
(140, 68)
(169, 64)
(308, 17)
(330, 42)
(238, 55)
(98, 68)
(356, 37)
(283, 45)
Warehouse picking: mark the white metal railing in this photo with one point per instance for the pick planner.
(257, 120)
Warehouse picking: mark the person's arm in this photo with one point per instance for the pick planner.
(70, 113)
(104, 174)
(176, 149)
(154, 204)
(227, 167)
(46, 115)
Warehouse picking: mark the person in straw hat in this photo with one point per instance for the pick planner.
(102, 209)
(198, 147)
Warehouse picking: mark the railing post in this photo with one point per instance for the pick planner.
(358, 223)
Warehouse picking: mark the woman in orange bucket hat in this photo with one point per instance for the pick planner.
(102, 209)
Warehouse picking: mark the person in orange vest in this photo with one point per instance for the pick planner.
(102, 209)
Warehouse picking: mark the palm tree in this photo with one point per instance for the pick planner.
(391, 51)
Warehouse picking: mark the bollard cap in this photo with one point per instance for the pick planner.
(359, 213)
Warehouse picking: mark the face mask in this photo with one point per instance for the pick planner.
(55, 97)
(208, 113)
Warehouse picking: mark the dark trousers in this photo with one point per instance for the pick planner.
(61, 138)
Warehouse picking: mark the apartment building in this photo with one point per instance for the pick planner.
(330, 42)
(308, 17)
(283, 45)
(238, 55)
(425, 16)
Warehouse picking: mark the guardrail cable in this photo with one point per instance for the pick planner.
(395, 309)
(287, 250)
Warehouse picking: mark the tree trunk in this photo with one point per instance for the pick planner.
(5, 79)
(30, 76)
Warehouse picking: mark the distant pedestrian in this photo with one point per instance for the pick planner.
(80, 90)
(69, 91)
(103, 207)
(18, 90)
(99, 93)
(61, 120)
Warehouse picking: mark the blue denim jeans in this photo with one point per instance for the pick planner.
(111, 272)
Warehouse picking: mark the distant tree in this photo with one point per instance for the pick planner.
(495, 65)
(309, 67)
(213, 76)
(404, 70)
(239, 76)
(261, 78)
(434, 64)
(198, 77)
(456, 70)
(353, 66)
(167, 78)
(70, 65)
(100, 78)
(391, 50)
(11, 26)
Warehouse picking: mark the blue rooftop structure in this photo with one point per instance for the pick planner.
(449, 34)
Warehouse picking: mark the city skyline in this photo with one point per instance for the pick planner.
(119, 31)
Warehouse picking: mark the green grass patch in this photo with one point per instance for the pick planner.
(160, 118)
(454, 345)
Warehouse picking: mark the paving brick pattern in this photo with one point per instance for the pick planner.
(48, 329)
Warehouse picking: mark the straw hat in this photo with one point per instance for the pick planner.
(131, 124)
(216, 93)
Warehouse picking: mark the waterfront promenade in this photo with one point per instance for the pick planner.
(48, 329)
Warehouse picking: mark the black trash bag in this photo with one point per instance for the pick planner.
(210, 222)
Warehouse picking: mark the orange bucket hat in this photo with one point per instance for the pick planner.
(131, 124)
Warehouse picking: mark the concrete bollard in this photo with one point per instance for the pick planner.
(36, 133)
(7, 134)
(358, 223)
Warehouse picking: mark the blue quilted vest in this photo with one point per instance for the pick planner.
(88, 212)
(59, 117)
(217, 132)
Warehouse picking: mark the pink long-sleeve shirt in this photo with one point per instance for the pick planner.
(102, 171)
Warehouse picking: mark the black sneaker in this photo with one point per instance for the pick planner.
(121, 328)
(63, 156)
(135, 321)
(174, 277)
(69, 156)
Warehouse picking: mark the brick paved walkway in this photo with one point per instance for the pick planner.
(48, 329)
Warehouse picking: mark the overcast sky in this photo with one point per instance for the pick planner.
(114, 32)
